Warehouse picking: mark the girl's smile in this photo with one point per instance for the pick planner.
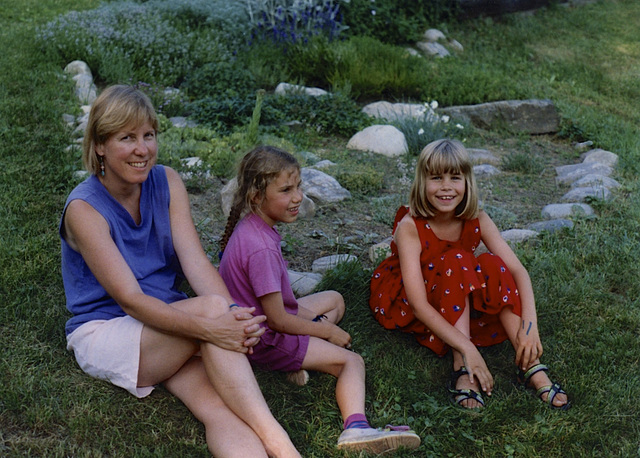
(446, 191)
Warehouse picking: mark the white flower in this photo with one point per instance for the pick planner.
(445, 118)
(459, 126)
(373, 12)
(421, 131)
(434, 104)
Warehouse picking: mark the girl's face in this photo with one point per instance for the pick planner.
(446, 191)
(282, 198)
(129, 154)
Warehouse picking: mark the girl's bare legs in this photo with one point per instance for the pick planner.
(511, 323)
(463, 325)
(220, 377)
(328, 303)
(346, 366)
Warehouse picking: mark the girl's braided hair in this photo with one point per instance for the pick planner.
(258, 168)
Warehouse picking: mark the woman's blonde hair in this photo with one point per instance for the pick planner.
(258, 168)
(115, 108)
(437, 158)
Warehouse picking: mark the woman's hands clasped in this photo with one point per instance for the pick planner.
(237, 330)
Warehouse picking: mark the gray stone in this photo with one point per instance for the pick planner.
(556, 211)
(433, 49)
(322, 187)
(529, 116)
(77, 67)
(382, 139)
(379, 250)
(485, 170)
(286, 88)
(482, 156)
(456, 46)
(583, 193)
(303, 283)
(394, 111)
(513, 236)
(552, 225)
(326, 263)
(601, 156)
(433, 35)
(324, 164)
(182, 122)
(567, 174)
(595, 180)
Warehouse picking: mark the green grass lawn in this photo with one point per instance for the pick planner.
(587, 280)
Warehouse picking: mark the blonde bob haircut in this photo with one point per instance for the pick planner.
(116, 108)
(437, 158)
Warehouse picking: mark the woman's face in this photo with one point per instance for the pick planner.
(129, 154)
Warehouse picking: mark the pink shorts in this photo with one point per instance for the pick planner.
(110, 350)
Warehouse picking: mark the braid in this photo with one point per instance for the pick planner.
(257, 169)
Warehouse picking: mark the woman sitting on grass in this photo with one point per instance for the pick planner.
(434, 287)
(127, 240)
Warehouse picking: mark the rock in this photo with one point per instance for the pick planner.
(551, 225)
(286, 88)
(482, 156)
(456, 46)
(382, 139)
(322, 187)
(86, 91)
(513, 236)
(325, 164)
(601, 156)
(557, 211)
(321, 265)
(529, 116)
(583, 193)
(485, 170)
(78, 67)
(303, 283)
(433, 35)
(595, 180)
(182, 122)
(380, 250)
(432, 49)
(567, 174)
(394, 111)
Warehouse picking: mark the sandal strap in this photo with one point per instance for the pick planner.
(525, 377)
(553, 390)
(455, 375)
(462, 395)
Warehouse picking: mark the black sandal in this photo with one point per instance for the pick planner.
(458, 396)
(554, 389)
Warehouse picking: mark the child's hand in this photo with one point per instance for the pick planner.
(338, 336)
(527, 345)
(477, 368)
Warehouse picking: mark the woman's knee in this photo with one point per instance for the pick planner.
(209, 306)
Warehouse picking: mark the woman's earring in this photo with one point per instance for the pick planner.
(101, 160)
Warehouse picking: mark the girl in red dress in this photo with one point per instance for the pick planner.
(434, 287)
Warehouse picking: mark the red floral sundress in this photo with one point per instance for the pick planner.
(451, 273)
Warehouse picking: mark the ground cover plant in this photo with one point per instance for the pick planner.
(585, 59)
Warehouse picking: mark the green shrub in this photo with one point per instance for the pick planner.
(219, 79)
(521, 162)
(395, 21)
(359, 178)
(129, 41)
(328, 115)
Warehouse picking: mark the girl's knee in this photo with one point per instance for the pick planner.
(337, 301)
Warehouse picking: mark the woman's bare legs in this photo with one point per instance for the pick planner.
(222, 376)
(511, 323)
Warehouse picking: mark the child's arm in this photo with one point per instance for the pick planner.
(409, 248)
(279, 320)
(528, 346)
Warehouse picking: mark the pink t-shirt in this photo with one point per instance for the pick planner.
(252, 265)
